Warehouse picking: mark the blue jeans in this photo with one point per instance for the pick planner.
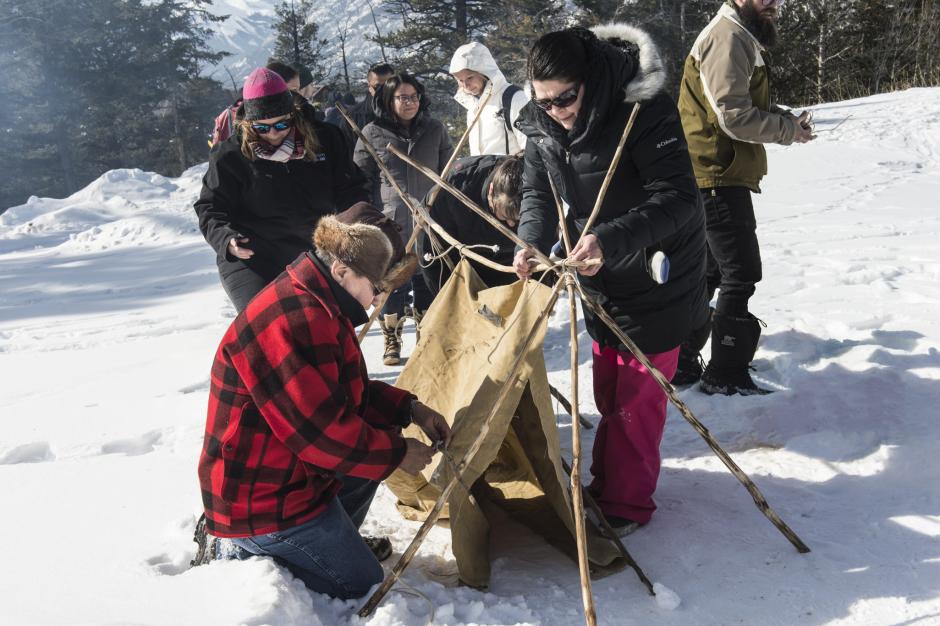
(326, 553)
(401, 297)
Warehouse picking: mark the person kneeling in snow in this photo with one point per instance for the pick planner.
(297, 436)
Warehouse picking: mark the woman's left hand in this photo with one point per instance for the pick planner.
(588, 249)
(432, 423)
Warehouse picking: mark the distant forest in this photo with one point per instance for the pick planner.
(92, 85)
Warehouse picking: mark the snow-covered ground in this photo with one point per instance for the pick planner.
(110, 311)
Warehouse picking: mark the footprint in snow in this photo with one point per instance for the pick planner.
(165, 565)
(134, 446)
(202, 385)
(37, 452)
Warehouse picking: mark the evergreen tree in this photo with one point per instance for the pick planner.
(521, 23)
(673, 25)
(115, 83)
(298, 39)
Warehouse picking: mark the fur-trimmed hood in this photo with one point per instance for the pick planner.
(623, 65)
(650, 75)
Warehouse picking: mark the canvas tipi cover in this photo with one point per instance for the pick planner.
(470, 338)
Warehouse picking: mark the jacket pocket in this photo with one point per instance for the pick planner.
(233, 452)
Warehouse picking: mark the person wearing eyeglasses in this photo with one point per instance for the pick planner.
(269, 183)
(724, 101)
(404, 121)
(297, 436)
(585, 84)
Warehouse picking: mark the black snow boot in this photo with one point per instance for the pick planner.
(734, 341)
(690, 366)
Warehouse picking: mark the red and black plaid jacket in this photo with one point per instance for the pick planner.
(290, 408)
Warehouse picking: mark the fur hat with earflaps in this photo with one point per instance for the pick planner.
(403, 266)
(362, 247)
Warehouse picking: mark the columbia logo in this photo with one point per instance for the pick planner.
(666, 142)
(727, 340)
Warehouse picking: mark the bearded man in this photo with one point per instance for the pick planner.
(724, 102)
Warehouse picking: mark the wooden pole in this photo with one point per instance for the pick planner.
(611, 533)
(377, 310)
(686, 412)
(391, 179)
(577, 491)
(468, 456)
(610, 171)
(470, 204)
(587, 597)
(453, 157)
(567, 406)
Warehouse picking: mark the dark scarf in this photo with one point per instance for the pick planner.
(765, 31)
(348, 306)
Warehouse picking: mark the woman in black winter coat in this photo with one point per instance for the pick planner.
(268, 185)
(403, 120)
(584, 86)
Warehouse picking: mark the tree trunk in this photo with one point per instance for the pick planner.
(178, 135)
(296, 35)
(460, 20)
(65, 157)
(820, 62)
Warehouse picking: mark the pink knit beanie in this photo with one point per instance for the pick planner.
(265, 95)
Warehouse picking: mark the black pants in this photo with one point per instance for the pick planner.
(241, 285)
(733, 258)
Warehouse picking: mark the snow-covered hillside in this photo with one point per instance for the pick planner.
(248, 34)
(110, 311)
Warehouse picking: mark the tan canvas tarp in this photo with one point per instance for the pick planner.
(470, 338)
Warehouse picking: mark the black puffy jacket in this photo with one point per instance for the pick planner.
(275, 205)
(652, 203)
(471, 175)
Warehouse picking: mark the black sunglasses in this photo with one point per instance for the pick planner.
(565, 99)
(264, 129)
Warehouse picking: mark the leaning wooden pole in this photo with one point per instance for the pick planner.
(405, 198)
(686, 412)
(577, 490)
(470, 204)
(463, 138)
(377, 309)
(566, 405)
(614, 163)
(587, 597)
(388, 174)
(408, 555)
(612, 534)
(759, 499)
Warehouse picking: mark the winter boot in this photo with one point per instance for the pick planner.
(417, 316)
(381, 547)
(734, 341)
(690, 366)
(392, 332)
(206, 544)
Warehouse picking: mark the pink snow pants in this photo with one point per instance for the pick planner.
(626, 445)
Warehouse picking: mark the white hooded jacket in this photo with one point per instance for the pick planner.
(490, 135)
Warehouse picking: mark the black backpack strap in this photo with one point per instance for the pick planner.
(506, 111)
